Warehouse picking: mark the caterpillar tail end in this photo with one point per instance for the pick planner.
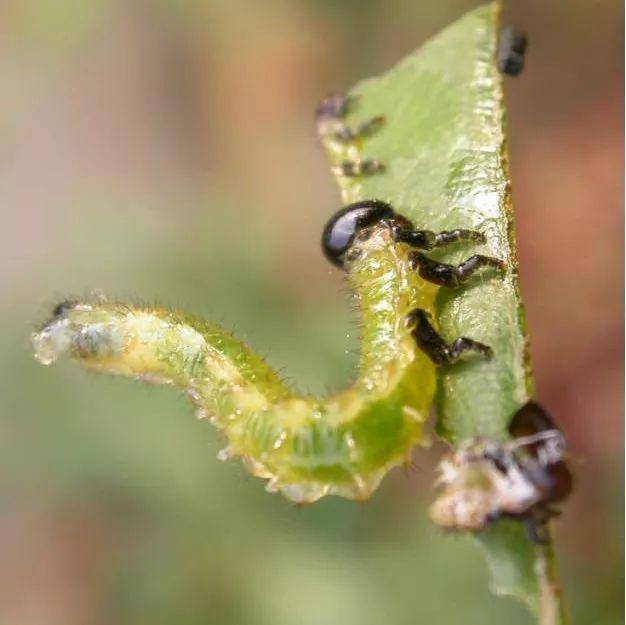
(58, 336)
(113, 338)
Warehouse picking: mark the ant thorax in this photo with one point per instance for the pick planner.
(485, 480)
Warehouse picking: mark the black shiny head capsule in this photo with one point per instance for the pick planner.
(343, 226)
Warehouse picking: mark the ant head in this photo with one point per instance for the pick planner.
(343, 226)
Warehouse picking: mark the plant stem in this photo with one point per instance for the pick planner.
(551, 606)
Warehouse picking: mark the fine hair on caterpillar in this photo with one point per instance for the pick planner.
(306, 447)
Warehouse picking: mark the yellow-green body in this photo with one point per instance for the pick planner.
(305, 446)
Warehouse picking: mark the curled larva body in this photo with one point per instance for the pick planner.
(305, 446)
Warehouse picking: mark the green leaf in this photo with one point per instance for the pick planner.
(443, 146)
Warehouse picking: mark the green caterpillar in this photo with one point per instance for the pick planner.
(305, 446)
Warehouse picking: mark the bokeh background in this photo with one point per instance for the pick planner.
(165, 150)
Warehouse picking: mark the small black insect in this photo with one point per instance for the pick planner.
(485, 480)
(543, 448)
(511, 50)
(537, 452)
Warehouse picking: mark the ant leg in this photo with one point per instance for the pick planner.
(427, 240)
(451, 276)
(435, 347)
(329, 119)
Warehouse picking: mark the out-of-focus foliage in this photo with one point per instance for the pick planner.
(171, 153)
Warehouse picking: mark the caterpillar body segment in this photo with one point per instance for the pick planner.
(305, 446)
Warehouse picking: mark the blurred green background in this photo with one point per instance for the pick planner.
(165, 151)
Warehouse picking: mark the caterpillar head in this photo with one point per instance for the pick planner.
(81, 329)
(344, 227)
